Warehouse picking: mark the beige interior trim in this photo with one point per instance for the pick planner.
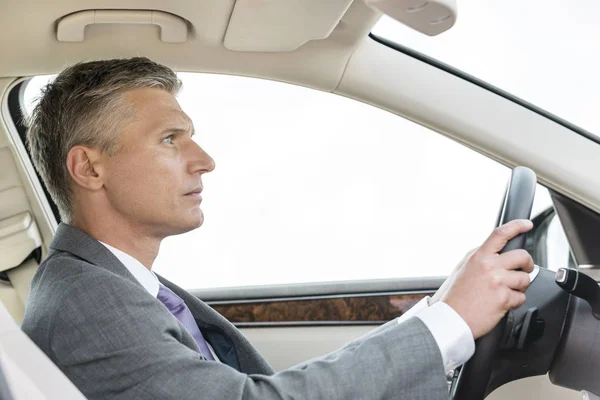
(11, 301)
(286, 347)
(21, 277)
(14, 225)
(513, 135)
(20, 175)
(14, 294)
(19, 236)
(13, 198)
(318, 63)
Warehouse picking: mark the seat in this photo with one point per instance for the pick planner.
(28, 372)
(21, 248)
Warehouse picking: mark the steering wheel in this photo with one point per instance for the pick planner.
(473, 378)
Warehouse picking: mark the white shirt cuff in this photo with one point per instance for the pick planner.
(414, 310)
(451, 333)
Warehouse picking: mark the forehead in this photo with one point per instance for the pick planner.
(156, 106)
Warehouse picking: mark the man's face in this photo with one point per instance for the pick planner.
(155, 178)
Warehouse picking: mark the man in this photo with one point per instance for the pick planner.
(116, 153)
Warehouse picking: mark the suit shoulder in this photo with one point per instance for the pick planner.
(58, 266)
(62, 280)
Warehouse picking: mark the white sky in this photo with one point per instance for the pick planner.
(310, 186)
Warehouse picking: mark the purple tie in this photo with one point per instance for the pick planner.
(177, 307)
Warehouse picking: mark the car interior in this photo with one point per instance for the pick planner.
(546, 349)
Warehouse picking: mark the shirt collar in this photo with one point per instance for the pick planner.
(144, 276)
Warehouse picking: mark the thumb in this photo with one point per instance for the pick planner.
(502, 234)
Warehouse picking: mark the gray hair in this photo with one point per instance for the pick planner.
(84, 106)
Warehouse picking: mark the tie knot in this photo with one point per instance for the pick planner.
(168, 298)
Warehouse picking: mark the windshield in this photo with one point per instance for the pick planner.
(544, 52)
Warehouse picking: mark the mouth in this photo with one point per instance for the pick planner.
(195, 194)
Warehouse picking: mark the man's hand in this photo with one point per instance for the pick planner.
(486, 285)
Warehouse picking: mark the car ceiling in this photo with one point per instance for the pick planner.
(30, 46)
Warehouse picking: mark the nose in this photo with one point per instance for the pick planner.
(200, 161)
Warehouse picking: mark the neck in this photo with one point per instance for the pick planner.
(121, 235)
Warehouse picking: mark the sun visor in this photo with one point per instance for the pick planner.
(19, 236)
(283, 25)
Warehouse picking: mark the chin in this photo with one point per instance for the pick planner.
(188, 224)
(198, 222)
(181, 223)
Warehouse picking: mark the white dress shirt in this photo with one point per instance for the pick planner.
(451, 333)
(144, 276)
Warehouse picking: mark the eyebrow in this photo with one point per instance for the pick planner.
(178, 130)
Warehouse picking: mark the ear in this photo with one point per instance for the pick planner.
(85, 167)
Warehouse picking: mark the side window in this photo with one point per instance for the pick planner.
(314, 187)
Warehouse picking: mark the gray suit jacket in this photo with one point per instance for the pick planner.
(115, 340)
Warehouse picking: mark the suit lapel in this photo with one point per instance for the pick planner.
(229, 344)
(222, 333)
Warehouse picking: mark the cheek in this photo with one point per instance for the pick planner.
(143, 183)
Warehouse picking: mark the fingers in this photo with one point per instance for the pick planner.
(515, 259)
(516, 280)
(502, 234)
(514, 300)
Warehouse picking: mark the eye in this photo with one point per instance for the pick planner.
(168, 139)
